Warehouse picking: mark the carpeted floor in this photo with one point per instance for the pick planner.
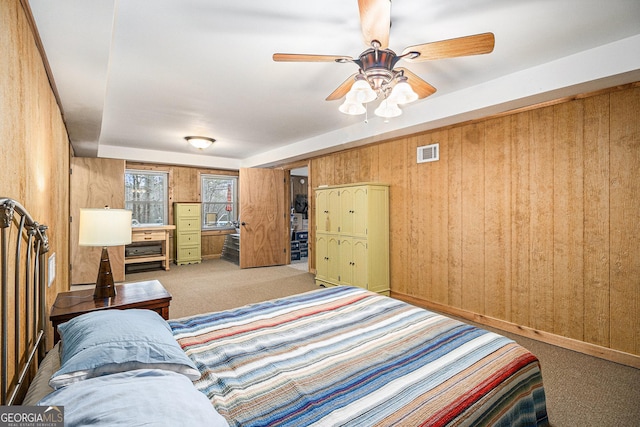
(581, 390)
(219, 285)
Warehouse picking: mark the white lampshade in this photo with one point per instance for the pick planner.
(104, 227)
(388, 109)
(352, 108)
(361, 91)
(402, 93)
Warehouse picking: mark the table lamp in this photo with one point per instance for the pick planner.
(104, 227)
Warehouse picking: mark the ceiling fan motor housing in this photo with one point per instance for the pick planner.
(377, 65)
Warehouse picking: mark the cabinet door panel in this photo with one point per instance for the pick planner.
(360, 210)
(346, 211)
(333, 254)
(345, 262)
(322, 211)
(327, 211)
(322, 257)
(359, 268)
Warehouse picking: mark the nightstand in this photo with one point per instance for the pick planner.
(149, 295)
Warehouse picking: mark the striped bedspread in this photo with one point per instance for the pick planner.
(345, 356)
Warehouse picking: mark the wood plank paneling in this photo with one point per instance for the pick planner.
(394, 169)
(212, 245)
(541, 228)
(185, 185)
(596, 221)
(417, 216)
(625, 220)
(568, 221)
(497, 229)
(454, 217)
(95, 183)
(529, 217)
(520, 286)
(473, 217)
(34, 165)
(437, 227)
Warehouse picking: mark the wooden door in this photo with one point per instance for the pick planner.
(264, 218)
(94, 183)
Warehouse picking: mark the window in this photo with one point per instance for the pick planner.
(145, 194)
(219, 201)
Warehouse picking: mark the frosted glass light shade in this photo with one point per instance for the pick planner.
(352, 108)
(388, 109)
(361, 92)
(200, 142)
(104, 227)
(402, 93)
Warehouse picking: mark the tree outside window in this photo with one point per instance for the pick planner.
(219, 201)
(146, 196)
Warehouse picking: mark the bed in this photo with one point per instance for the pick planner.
(335, 356)
(346, 356)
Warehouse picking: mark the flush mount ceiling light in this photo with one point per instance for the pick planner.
(200, 142)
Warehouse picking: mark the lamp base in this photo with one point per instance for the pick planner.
(105, 288)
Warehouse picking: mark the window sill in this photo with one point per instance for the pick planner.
(209, 232)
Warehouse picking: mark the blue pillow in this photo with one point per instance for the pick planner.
(143, 397)
(108, 341)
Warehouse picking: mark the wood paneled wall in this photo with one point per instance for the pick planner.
(531, 219)
(94, 183)
(34, 163)
(184, 187)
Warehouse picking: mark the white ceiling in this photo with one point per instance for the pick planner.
(137, 76)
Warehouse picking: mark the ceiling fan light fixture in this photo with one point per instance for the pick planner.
(361, 91)
(402, 92)
(200, 142)
(388, 109)
(352, 108)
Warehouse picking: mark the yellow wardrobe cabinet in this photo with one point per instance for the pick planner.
(188, 225)
(352, 236)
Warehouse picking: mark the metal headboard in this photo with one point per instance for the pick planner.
(23, 245)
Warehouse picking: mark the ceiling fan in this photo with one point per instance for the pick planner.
(377, 76)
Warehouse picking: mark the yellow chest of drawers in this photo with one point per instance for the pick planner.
(187, 235)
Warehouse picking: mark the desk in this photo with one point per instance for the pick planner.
(149, 295)
(151, 234)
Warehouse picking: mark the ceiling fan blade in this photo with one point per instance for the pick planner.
(297, 57)
(419, 86)
(375, 20)
(343, 88)
(470, 45)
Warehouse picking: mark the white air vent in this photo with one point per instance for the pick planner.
(429, 153)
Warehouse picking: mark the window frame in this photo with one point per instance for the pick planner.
(230, 224)
(165, 192)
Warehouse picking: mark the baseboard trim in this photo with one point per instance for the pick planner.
(612, 355)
